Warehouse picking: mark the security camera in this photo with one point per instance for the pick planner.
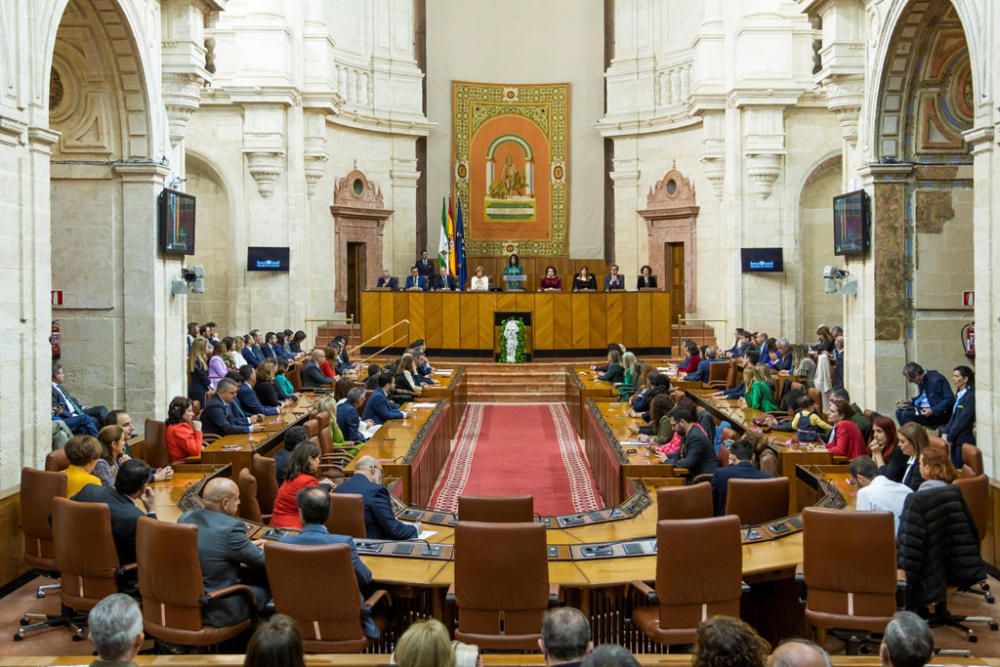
(192, 281)
(834, 272)
(835, 281)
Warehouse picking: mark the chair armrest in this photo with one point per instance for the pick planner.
(192, 459)
(644, 589)
(450, 595)
(375, 597)
(744, 587)
(210, 437)
(800, 579)
(553, 594)
(230, 590)
(330, 466)
(901, 583)
(126, 568)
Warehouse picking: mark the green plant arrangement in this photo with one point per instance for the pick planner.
(515, 327)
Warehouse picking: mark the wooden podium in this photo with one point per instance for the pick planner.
(498, 320)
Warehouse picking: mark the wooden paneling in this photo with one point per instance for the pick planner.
(560, 321)
(369, 304)
(11, 563)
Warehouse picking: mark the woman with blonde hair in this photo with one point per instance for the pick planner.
(425, 644)
(407, 376)
(198, 380)
(759, 395)
(480, 282)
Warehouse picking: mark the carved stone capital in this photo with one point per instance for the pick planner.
(265, 166)
(714, 167)
(762, 171)
(182, 97)
(315, 159)
(844, 97)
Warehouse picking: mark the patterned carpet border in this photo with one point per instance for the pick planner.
(581, 482)
(445, 497)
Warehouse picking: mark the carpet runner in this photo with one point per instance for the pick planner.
(509, 450)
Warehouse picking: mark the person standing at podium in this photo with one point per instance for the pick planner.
(425, 267)
(614, 280)
(584, 280)
(513, 268)
(551, 282)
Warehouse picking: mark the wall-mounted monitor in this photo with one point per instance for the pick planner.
(176, 223)
(762, 260)
(851, 219)
(260, 258)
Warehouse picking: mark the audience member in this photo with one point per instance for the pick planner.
(217, 368)
(824, 339)
(80, 420)
(300, 473)
(424, 644)
(615, 371)
(884, 446)
(292, 437)
(198, 380)
(960, 429)
(659, 419)
(112, 439)
(512, 269)
(115, 628)
(702, 371)
(932, 405)
(697, 453)
(296, 344)
(380, 521)
(131, 484)
(379, 409)
(227, 555)
(565, 637)
(247, 396)
(222, 414)
(877, 492)
(614, 280)
(723, 641)
(936, 469)
(782, 358)
(690, 363)
(311, 373)
(251, 350)
(183, 432)
(863, 423)
(374, 370)
(610, 655)
(907, 641)
(82, 452)
(742, 450)
(192, 334)
(646, 279)
(234, 358)
(348, 417)
(387, 281)
(758, 395)
(444, 281)
(407, 377)
(268, 392)
(913, 441)
(845, 439)
(799, 653)
(277, 642)
(287, 391)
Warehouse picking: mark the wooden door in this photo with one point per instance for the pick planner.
(673, 263)
(356, 272)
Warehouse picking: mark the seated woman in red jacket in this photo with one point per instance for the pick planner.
(183, 434)
(690, 365)
(845, 438)
(300, 473)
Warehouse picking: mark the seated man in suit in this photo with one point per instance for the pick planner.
(443, 282)
(415, 282)
(697, 453)
(247, 397)
(223, 548)
(614, 280)
(380, 522)
(701, 373)
(131, 484)
(80, 420)
(348, 417)
(379, 409)
(932, 406)
(387, 281)
(311, 375)
(222, 414)
(742, 451)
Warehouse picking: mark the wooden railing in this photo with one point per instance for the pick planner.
(392, 343)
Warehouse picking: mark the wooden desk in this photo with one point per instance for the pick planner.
(413, 450)
(561, 322)
(167, 494)
(582, 384)
(452, 386)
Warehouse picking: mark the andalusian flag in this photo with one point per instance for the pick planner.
(460, 259)
(451, 240)
(443, 243)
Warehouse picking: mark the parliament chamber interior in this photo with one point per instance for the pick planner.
(435, 333)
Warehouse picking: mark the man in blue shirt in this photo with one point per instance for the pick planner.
(379, 408)
(932, 406)
(415, 281)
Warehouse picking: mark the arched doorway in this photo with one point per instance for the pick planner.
(816, 247)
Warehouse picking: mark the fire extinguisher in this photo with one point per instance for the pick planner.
(55, 339)
(969, 340)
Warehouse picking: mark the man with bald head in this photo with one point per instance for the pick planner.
(380, 521)
(223, 546)
(799, 653)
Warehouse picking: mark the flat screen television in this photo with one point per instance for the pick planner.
(261, 258)
(176, 223)
(851, 219)
(762, 260)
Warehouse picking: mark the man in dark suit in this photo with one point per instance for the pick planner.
(380, 522)
(742, 450)
(425, 266)
(80, 420)
(932, 406)
(960, 428)
(387, 280)
(131, 484)
(348, 418)
(415, 281)
(615, 280)
(221, 415)
(311, 375)
(696, 453)
(379, 408)
(247, 397)
(223, 548)
(252, 353)
(444, 282)
(702, 373)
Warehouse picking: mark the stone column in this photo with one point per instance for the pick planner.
(401, 244)
(631, 238)
(153, 318)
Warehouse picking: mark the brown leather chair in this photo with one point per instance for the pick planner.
(38, 490)
(684, 502)
(718, 375)
(316, 586)
(249, 505)
(265, 470)
(851, 598)
(312, 427)
(173, 590)
(347, 515)
(503, 610)
(295, 378)
(691, 588)
(498, 509)
(757, 500)
(56, 461)
(325, 438)
(976, 493)
(972, 457)
(155, 449)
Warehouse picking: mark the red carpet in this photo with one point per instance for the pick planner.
(509, 450)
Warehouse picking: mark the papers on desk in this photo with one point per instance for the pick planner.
(632, 443)
(423, 405)
(369, 432)
(443, 371)
(426, 534)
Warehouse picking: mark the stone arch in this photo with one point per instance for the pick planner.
(821, 182)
